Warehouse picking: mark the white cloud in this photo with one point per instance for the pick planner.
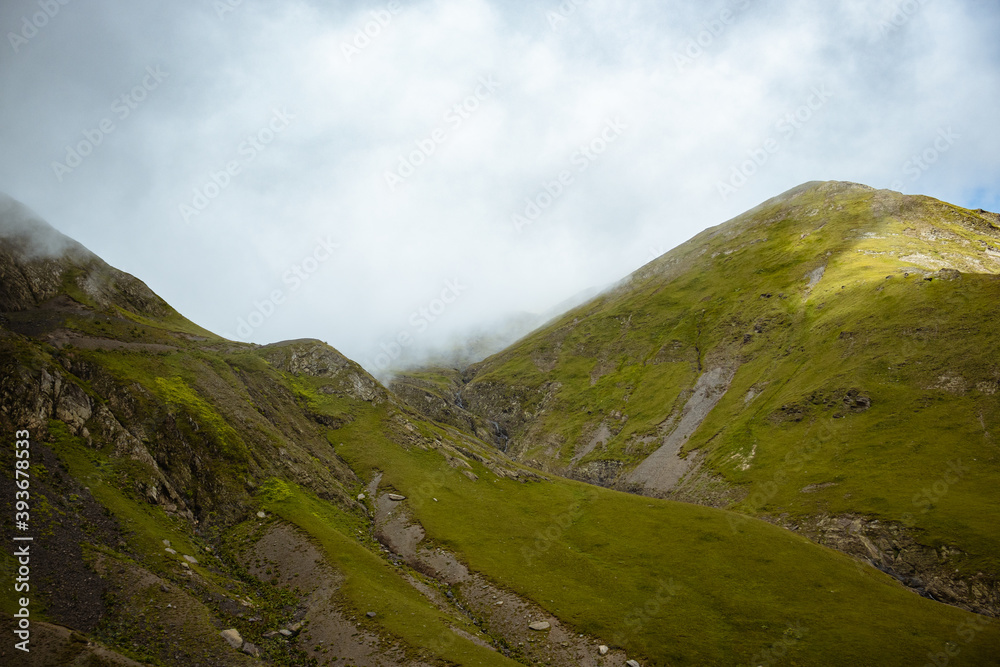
(654, 186)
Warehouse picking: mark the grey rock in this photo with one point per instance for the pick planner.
(539, 625)
(232, 636)
(396, 497)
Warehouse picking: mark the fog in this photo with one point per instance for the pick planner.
(32, 237)
(440, 170)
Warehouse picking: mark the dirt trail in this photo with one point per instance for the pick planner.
(330, 633)
(503, 615)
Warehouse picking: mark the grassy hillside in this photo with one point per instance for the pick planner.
(865, 375)
(675, 583)
(183, 485)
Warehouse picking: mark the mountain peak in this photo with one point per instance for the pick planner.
(844, 219)
(39, 263)
(28, 235)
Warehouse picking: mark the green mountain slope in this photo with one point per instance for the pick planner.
(827, 360)
(183, 485)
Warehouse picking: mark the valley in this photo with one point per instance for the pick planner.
(775, 444)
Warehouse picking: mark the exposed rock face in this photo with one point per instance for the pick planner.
(511, 408)
(660, 471)
(891, 548)
(446, 405)
(601, 473)
(317, 359)
(54, 394)
(173, 447)
(38, 263)
(992, 219)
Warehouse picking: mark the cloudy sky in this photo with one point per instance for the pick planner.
(420, 168)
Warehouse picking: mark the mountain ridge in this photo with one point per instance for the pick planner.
(748, 306)
(202, 501)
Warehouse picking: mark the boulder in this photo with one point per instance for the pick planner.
(539, 625)
(232, 636)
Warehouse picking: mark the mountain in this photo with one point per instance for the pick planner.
(826, 361)
(195, 500)
(474, 344)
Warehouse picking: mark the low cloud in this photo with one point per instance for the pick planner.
(167, 196)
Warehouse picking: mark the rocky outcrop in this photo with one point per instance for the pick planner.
(317, 359)
(510, 409)
(892, 548)
(445, 405)
(38, 263)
